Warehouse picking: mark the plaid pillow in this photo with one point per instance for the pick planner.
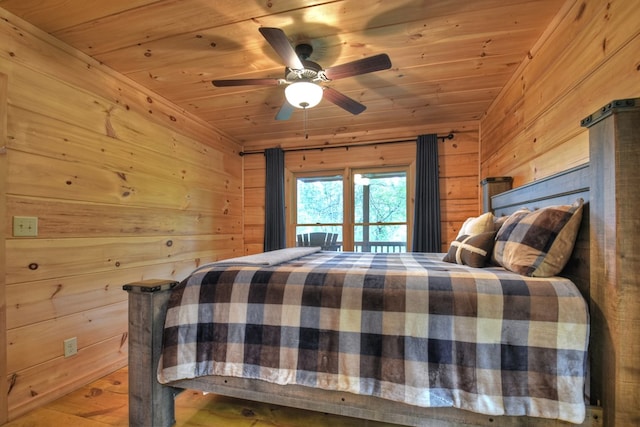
(498, 221)
(538, 243)
(474, 250)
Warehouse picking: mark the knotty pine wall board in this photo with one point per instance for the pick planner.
(39, 259)
(125, 186)
(50, 137)
(532, 129)
(39, 383)
(37, 176)
(64, 218)
(37, 301)
(38, 343)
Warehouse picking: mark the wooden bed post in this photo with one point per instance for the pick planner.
(614, 140)
(150, 403)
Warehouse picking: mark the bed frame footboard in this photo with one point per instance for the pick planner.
(150, 403)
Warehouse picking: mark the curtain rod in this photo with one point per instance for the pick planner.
(326, 147)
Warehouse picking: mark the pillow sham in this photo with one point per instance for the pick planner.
(477, 225)
(538, 243)
(474, 250)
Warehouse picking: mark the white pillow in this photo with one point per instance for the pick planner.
(477, 225)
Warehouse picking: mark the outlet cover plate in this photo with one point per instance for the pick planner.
(25, 226)
(70, 347)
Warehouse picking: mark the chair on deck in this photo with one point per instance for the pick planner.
(327, 241)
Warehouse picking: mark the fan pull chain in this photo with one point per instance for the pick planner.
(304, 120)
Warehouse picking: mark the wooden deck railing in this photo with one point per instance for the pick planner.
(375, 247)
(381, 247)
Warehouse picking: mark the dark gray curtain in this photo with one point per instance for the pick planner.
(274, 219)
(426, 218)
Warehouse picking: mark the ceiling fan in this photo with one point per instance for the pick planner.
(303, 77)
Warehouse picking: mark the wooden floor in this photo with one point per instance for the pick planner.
(104, 403)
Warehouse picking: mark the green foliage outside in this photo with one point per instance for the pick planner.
(320, 202)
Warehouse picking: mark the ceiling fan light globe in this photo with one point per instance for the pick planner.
(303, 94)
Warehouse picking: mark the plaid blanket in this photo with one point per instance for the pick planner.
(406, 327)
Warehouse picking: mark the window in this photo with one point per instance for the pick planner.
(319, 205)
(368, 216)
(380, 211)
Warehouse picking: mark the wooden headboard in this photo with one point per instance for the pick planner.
(559, 189)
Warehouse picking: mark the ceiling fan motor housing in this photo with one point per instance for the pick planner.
(304, 51)
(310, 70)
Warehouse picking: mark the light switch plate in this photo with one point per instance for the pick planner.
(25, 226)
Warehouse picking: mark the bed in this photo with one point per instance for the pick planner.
(451, 379)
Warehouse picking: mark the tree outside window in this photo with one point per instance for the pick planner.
(378, 201)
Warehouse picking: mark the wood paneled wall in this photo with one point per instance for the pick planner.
(589, 56)
(459, 182)
(125, 187)
(3, 215)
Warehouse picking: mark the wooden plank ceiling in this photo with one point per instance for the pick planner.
(450, 58)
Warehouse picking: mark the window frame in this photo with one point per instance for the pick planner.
(348, 202)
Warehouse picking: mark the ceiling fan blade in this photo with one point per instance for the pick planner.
(360, 66)
(246, 82)
(343, 101)
(285, 111)
(280, 43)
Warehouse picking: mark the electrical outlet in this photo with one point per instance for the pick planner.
(25, 226)
(70, 347)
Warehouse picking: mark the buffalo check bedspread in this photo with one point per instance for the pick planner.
(405, 327)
